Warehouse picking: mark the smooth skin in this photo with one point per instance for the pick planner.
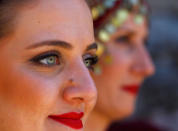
(130, 65)
(34, 86)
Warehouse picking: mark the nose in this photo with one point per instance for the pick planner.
(143, 64)
(80, 88)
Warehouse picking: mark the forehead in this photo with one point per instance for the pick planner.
(131, 27)
(67, 20)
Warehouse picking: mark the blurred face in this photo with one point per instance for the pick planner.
(120, 80)
(44, 81)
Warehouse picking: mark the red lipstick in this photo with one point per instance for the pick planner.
(133, 89)
(71, 119)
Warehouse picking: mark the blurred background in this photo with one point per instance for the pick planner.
(158, 99)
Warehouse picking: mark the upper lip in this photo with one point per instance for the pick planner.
(70, 115)
(133, 89)
(71, 119)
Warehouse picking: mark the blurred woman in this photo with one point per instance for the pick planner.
(121, 29)
(46, 52)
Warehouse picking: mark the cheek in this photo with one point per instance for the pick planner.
(108, 86)
(119, 66)
(116, 70)
(27, 91)
(111, 100)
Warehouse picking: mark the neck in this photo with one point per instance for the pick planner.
(97, 122)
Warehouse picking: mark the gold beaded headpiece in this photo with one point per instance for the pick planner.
(109, 15)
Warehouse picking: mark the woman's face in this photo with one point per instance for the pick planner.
(43, 70)
(130, 64)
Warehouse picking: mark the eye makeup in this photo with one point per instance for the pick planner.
(53, 58)
(122, 39)
(47, 59)
(125, 39)
(90, 60)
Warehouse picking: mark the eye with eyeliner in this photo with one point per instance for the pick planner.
(47, 59)
(54, 58)
(125, 39)
(90, 60)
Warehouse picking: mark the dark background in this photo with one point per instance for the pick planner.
(158, 98)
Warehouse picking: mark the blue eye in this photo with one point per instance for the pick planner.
(47, 59)
(51, 60)
(90, 61)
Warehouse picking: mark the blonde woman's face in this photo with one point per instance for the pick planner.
(130, 64)
(43, 70)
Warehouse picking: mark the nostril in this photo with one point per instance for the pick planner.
(78, 99)
(74, 94)
(71, 80)
(78, 94)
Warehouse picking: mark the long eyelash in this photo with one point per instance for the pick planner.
(94, 62)
(36, 59)
(95, 59)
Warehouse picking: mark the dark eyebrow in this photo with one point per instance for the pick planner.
(92, 46)
(62, 44)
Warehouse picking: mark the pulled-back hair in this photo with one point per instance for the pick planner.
(8, 13)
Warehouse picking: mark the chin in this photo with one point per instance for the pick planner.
(122, 112)
(54, 126)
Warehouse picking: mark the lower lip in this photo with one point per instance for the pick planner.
(72, 122)
(132, 89)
